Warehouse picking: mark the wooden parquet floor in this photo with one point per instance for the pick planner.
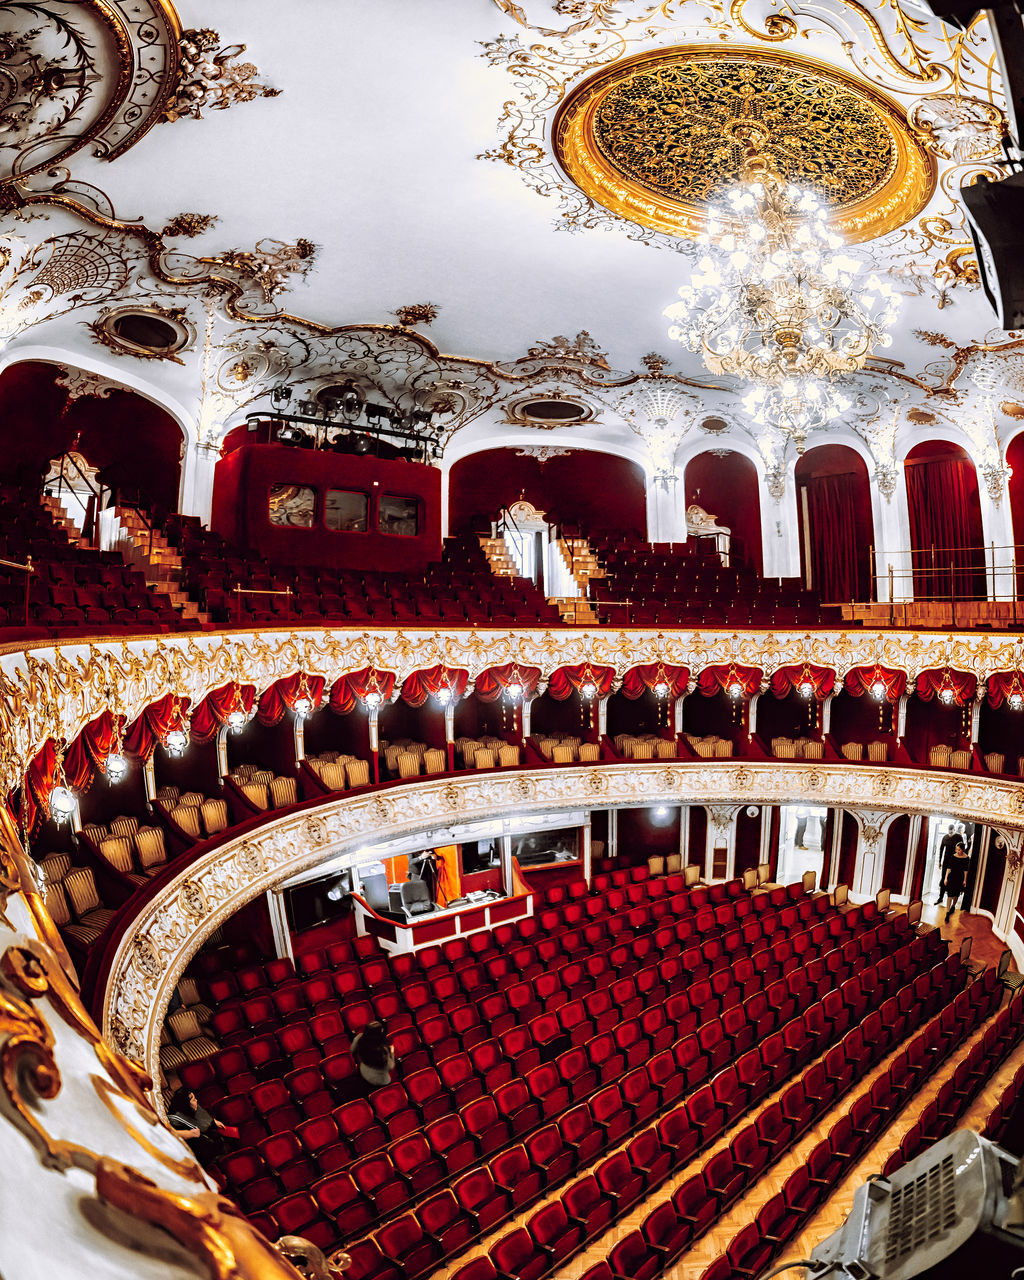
(986, 949)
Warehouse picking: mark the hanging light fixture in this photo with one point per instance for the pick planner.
(778, 300)
(661, 686)
(514, 688)
(1015, 698)
(237, 718)
(372, 697)
(62, 798)
(176, 738)
(588, 686)
(446, 692)
(116, 765)
(303, 704)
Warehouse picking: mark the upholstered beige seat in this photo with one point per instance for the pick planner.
(187, 817)
(169, 796)
(255, 793)
(546, 747)
(55, 867)
(263, 775)
(784, 748)
(995, 761)
(705, 748)
(814, 750)
(643, 751)
(674, 863)
(878, 752)
(332, 775)
(283, 791)
(960, 759)
(691, 875)
(656, 866)
(244, 772)
(358, 772)
(126, 826)
(853, 750)
(590, 751)
(117, 850)
(57, 905)
(329, 757)
(483, 759)
(666, 749)
(391, 753)
(80, 887)
(939, 756)
(723, 749)
(808, 880)
(194, 798)
(469, 748)
(214, 815)
(508, 755)
(750, 879)
(94, 831)
(152, 851)
(189, 1034)
(434, 760)
(408, 764)
(188, 990)
(561, 753)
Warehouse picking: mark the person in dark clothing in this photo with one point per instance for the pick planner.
(947, 849)
(203, 1133)
(956, 877)
(374, 1056)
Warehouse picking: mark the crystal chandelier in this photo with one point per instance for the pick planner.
(778, 301)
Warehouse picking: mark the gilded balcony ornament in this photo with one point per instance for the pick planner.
(210, 78)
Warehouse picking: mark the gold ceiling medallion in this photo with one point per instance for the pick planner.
(656, 136)
(146, 332)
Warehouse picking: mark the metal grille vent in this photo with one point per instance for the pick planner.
(921, 1210)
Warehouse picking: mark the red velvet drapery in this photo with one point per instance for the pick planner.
(492, 682)
(567, 680)
(158, 719)
(84, 758)
(348, 690)
(1001, 684)
(831, 514)
(861, 680)
(428, 683)
(962, 684)
(213, 711)
(282, 695)
(641, 678)
(717, 679)
(823, 679)
(942, 497)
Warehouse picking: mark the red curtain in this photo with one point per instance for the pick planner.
(429, 682)
(962, 683)
(1001, 684)
(831, 515)
(158, 719)
(492, 683)
(213, 711)
(648, 674)
(717, 679)
(349, 689)
(566, 680)
(860, 680)
(83, 759)
(282, 696)
(787, 678)
(942, 496)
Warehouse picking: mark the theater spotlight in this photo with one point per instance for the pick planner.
(995, 218)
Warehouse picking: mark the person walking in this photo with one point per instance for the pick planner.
(202, 1131)
(956, 877)
(947, 848)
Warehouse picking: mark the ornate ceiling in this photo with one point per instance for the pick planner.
(359, 193)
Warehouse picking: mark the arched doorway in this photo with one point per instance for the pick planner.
(836, 529)
(946, 540)
(1015, 460)
(724, 483)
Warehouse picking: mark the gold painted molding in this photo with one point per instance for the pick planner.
(55, 690)
(170, 928)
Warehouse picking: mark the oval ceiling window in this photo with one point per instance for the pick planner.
(714, 424)
(150, 334)
(553, 411)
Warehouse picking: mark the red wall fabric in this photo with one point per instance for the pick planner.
(839, 527)
(787, 678)
(428, 683)
(648, 674)
(962, 685)
(586, 488)
(945, 514)
(213, 711)
(347, 690)
(567, 680)
(727, 488)
(283, 694)
(896, 853)
(134, 442)
(1015, 487)
(492, 683)
(241, 490)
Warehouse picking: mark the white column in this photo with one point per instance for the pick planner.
(891, 519)
(613, 834)
(299, 738)
(780, 537)
(684, 833)
(913, 837)
(1005, 917)
(872, 828)
(602, 716)
(195, 497)
(587, 849)
(666, 508)
(721, 833)
(997, 531)
(279, 925)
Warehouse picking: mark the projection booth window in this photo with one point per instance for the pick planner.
(399, 516)
(292, 505)
(345, 511)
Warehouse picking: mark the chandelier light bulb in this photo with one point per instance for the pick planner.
(514, 691)
(661, 689)
(62, 804)
(372, 699)
(878, 690)
(1015, 701)
(176, 741)
(444, 696)
(735, 689)
(236, 719)
(588, 689)
(115, 766)
(806, 688)
(946, 695)
(303, 706)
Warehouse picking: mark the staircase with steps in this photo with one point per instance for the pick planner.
(576, 610)
(152, 555)
(62, 520)
(502, 564)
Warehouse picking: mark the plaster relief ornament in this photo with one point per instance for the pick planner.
(250, 859)
(210, 78)
(316, 832)
(958, 129)
(189, 225)
(193, 900)
(270, 264)
(78, 383)
(416, 313)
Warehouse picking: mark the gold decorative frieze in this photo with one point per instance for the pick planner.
(655, 136)
(142, 978)
(55, 690)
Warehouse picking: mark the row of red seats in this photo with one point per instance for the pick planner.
(1005, 1111)
(406, 1248)
(610, 1113)
(754, 1247)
